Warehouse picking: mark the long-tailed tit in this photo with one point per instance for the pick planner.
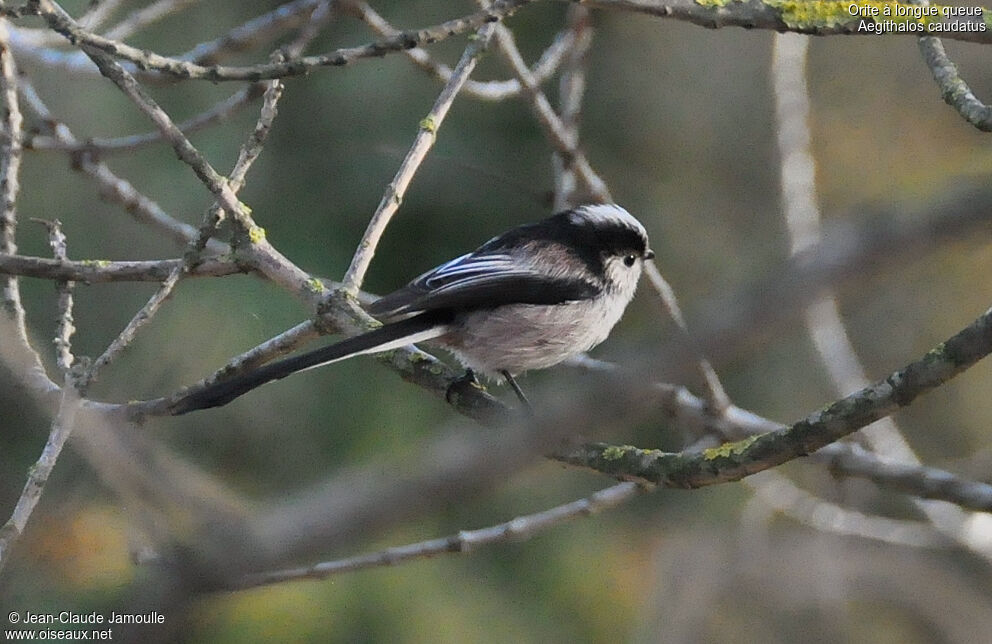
(527, 299)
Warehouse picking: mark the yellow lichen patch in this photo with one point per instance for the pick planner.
(256, 234)
(809, 15)
(616, 452)
(813, 14)
(429, 124)
(315, 285)
(728, 450)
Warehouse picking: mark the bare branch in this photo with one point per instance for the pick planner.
(292, 15)
(10, 165)
(777, 493)
(39, 473)
(129, 86)
(914, 479)
(422, 143)
(953, 88)
(715, 393)
(734, 461)
(97, 271)
(225, 189)
(141, 18)
(571, 90)
(114, 188)
(829, 18)
(98, 13)
(61, 22)
(558, 136)
(463, 541)
(64, 327)
(218, 113)
(31, 43)
(543, 69)
(693, 416)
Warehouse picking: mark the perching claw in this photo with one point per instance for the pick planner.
(520, 393)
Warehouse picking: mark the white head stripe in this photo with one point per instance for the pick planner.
(608, 213)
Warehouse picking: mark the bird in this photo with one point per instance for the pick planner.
(527, 299)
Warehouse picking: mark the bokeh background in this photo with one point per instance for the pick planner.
(679, 120)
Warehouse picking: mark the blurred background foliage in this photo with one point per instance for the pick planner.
(680, 121)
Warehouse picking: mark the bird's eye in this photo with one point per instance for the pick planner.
(629, 260)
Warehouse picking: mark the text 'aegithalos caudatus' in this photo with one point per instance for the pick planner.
(527, 299)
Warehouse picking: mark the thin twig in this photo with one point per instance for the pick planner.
(99, 12)
(130, 87)
(919, 481)
(555, 131)
(776, 493)
(97, 271)
(32, 42)
(692, 415)
(10, 165)
(463, 541)
(734, 461)
(61, 22)
(217, 113)
(126, 336)
(788, 16)
(715, 393)
(823, 318)
(143, 17)
(422, 143)
(226, 190)
(39, 472)
(112, 187)
(543, 69)
(320, 16)
(64, 327)
(953, 88)
(571, 90)
(257, 30)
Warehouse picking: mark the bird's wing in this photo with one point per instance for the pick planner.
(480, 280)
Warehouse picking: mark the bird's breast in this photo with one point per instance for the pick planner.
(523, 337)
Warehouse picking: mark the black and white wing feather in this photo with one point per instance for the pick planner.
(481, 279)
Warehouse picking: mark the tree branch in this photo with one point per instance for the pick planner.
(821, 18)
(39, 472)
(461, 542)
(422, 143)
(543, 69)
(733, 461)
(61, 22)
(98, 271)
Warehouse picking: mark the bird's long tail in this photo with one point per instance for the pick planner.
(425, 326)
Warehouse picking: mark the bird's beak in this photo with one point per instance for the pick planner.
(649, 254)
